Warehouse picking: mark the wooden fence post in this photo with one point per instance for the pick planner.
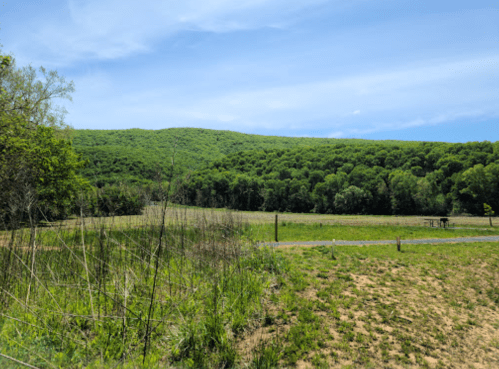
(398, 243)
(276, 227)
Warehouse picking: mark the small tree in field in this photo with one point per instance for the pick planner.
(488, 211)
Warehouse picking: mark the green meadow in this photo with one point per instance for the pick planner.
(199, 293)
(290, 231)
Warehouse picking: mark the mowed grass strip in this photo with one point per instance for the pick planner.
(289, 231)
(371, 307)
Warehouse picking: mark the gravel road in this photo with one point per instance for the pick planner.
(384, 242)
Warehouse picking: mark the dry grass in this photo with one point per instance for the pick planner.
(260, 217)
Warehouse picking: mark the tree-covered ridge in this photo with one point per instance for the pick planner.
(137, 155)
(368, 178)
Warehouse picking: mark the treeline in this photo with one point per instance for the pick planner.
(419, 179)
(138, 156)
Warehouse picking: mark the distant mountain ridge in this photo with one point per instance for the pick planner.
(139, 156)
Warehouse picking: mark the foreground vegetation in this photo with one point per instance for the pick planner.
(104, 292)
(96, 296)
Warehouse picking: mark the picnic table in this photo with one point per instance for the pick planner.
(432, 221)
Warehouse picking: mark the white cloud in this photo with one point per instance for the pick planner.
(109, 29)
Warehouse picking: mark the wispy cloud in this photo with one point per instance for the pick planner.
(110, 29)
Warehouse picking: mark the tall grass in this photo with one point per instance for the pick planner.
(103, 295)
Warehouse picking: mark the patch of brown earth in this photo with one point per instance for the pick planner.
(411, 311)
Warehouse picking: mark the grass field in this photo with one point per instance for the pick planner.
(103, 293)
(288, 231)
(192, 214)
(260, 226)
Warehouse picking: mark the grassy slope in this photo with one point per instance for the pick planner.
(136, 154)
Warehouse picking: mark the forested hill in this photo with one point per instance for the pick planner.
(137, 155)
(368, 178)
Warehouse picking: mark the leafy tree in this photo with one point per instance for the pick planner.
(424, 197)
(38, 168)
(402, 186)
(246, 192)
(24, 94)
(274, 195)
(360, 175)
(481, 185)
(352, 200)
(300, 199)
(434, 176)
(315, 177)
(334, 183)
(489, 212)
(38, 172)
(450, 164)
(319, 198)
(381, 198)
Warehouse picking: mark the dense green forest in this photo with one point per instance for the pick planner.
(353, 178)
(138, 156)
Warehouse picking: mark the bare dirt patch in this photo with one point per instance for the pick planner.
(378, 315)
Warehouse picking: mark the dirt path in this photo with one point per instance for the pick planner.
(383, 242)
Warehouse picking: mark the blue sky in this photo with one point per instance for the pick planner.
(384, 69)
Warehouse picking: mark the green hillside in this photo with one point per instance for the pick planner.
(354, 178)
(299, 174)
(137, 155)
